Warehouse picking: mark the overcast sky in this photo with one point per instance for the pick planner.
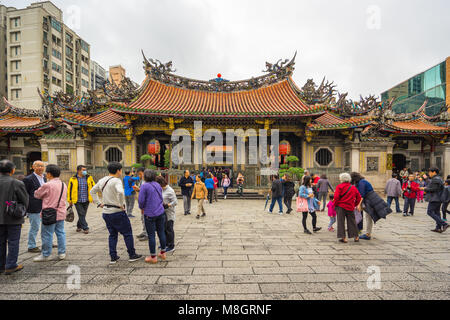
(363, 46)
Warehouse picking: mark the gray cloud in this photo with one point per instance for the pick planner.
(235, 38)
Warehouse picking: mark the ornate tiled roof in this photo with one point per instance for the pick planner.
(106, 119)
(330, 121)
(276, 100)
(415, 126)
(12, 123)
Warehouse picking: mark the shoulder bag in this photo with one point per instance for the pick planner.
(15, 209)
(49, 215)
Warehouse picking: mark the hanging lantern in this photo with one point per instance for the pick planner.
(154, 147)
(285, 148)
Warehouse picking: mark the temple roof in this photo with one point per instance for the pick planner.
(416, 126)
(329, 121)
(274, 100)
(12, 123)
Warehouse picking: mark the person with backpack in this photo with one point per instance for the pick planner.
(13, 204)
(114, 214)
(53, 195)
(433, 196)
(130, 193)
(323, 186)
(137, 187)
(209, 183)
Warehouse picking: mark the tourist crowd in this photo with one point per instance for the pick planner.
(48, 202)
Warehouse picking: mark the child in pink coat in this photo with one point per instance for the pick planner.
(331, 213)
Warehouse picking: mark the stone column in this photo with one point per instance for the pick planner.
(446, 160)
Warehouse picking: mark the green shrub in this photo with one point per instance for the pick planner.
(137, 165)
(284, 166)
(146, 157)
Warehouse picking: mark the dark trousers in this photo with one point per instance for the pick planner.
(305, 218)
(280, 203)
(410, 204)
(119, 223)
(82, 209)
(210, 195)
(156, 225)
(444, 210)
(288, 202)
(352, 228)
(225, 191)
(170, 234)
(397, 203)
(434, 211)
(9, 246)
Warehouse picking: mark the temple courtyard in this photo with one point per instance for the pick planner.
(239, 251)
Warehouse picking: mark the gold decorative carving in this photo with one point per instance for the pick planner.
(172, 122)
(349, 134)
(39, 133)
(267, 123)
(44, 156)
(390, 161)
(128, 133)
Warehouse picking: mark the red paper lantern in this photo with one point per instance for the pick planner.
(219, 76)
(285, 148)
(154, 147)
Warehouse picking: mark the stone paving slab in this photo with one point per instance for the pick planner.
(245, 254)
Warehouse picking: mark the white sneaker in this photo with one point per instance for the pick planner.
(281, 213)
(62, 256)
(41, 258)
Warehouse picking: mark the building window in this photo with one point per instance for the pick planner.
(56, 67)
(63, 161)
(69, 77)
(85, 71)
(56, 25)
(427, 163)
(18, 163)
(15, 22)
(56, 54)
(88, 157)
(372, 164)
(16, 93)
(84, 46)
(69, 51)
(324, 157)
(113, 155)
(69, 38)
(415, 165)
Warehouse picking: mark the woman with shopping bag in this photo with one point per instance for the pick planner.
(308, 204)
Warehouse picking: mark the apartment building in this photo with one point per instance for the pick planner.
(44, 53)
(98, 75)
(3, 54)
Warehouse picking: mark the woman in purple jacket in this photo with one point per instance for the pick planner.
(151, 203)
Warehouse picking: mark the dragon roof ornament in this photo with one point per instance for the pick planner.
(164, 74)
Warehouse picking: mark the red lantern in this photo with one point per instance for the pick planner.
(154, 147)
(219, 76)
(285, 148)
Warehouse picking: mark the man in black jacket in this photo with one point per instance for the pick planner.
(33, 182)
(433, 196)
(10, 227)
(186, 184)
(277, 194)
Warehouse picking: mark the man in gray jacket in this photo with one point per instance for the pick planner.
(170, 202)
(393, 192)
(10, 227)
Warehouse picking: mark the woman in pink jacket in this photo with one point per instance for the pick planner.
(53, 195)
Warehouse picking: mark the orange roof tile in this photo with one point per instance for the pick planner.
(279, 99)
(417, 126)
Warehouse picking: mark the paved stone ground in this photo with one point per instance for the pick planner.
(241, 252)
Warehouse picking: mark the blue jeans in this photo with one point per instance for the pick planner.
(47, 238)
(397, 203)
(332, 222)
(434, 211)
(119, 223)
(9, 242)
(280, 204)
(156, 225)
(225, 191)
(35, 223)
